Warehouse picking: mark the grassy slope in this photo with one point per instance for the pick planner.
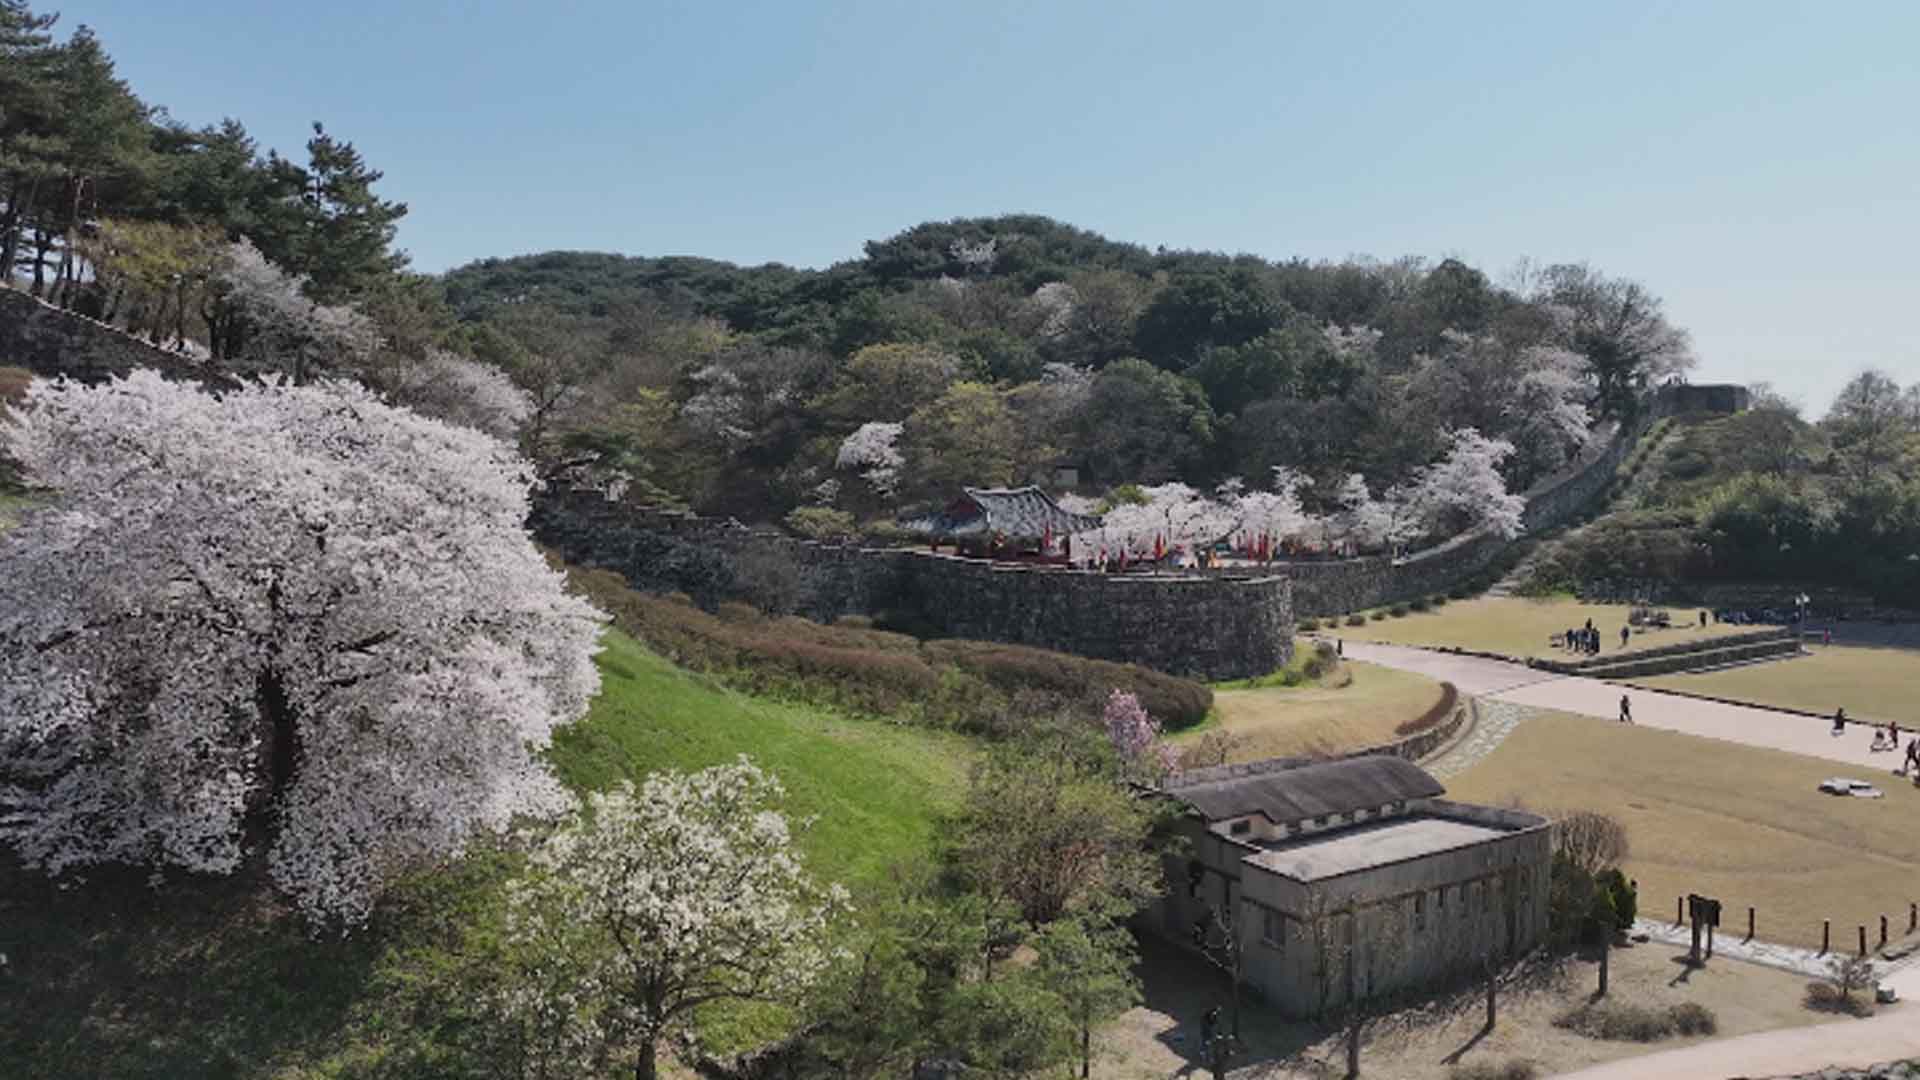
(1359, 706)
(1739, 823)
(1518, 627)
(214, 978)
(1873, 684)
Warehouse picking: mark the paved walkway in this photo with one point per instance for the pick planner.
(1500, 681)
(1496, 721)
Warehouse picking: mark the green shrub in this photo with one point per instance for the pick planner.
(1309, 625)
(1398, 611)
(1378, 616)
(1438, 599)
(1418, 603)
(1621, 897)
(1516, 1069)
(735, 612)
(1356, 619)
(822, 523)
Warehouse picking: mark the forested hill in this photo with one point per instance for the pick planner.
(1013, 256)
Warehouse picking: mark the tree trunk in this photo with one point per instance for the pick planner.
(648, 1065)
(1606, 949)
(1353, 1044)
(1086, 1049)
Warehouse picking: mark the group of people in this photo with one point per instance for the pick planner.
(1885, 739)
(1587, 639)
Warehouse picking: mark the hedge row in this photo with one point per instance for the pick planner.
(979, 687)
(1441, 709)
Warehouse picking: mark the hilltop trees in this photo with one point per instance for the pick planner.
(290, 623)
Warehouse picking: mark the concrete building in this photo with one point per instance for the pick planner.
(1350, 876)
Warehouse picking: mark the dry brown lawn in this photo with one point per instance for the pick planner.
(1156, 1039)
(1873, 684)
(1281, 721)
(1742, 824)
(1513, 626)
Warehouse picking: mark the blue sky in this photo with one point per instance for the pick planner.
(1755, 164)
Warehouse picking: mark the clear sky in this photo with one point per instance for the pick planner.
(1756, 164)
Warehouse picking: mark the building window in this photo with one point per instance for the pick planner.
(1420, 910)
(1273, 928)
(1242, 827)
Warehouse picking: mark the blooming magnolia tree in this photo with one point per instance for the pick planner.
(872, 450)
(1136, 738)
(289, 622)
(654, 903)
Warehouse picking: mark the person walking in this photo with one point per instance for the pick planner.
(1840, 720)
(1626, 710)
(1623, 637)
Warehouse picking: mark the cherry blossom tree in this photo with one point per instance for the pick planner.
(288, 622)
(872, 450)
(655, 902)
(450, 387)
(1136, 738)
(285, 331)
(1465, 488)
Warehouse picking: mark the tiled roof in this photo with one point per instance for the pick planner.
(1024, 513)
(1291, 793)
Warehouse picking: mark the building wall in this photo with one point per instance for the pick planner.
(1490, 898)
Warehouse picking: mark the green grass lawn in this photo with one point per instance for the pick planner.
(216, 978)
(1521, 627)
(1873, 684)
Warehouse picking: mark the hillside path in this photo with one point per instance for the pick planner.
(1500, 681)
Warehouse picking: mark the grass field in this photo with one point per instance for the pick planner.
(1738, 823)
(217, 978)
(1330, 715)
(1519, 627)
(1871, 683)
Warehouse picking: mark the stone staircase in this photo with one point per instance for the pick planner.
(1710, 654)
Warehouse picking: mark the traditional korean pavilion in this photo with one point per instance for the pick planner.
(1004, 521)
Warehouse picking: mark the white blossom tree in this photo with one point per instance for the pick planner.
(289, 622)
(1465, 489)
(654, 903)
(287, 332)
(873, 451)
(450, 387)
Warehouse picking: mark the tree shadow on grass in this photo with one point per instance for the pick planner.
(205, 977)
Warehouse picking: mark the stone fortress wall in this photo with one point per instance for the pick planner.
(1209, 627)
(48, 340)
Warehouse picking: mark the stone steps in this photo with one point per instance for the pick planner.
(1703, 659)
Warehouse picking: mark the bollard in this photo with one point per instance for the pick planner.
(1913, 917)
(1679, 910)
(1749, 924)
(1883, 931)
(1826, 935)
(1863, 939)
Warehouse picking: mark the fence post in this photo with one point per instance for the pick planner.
(1883, 931)
(1863, 939)
(1826, 935)
(1679, 910)
(1749, 923)
(1913, 917)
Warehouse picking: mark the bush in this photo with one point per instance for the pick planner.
(1378, 616)
(1440, 710)
(1516, 1069)
(854, 622)
(1693, 1018)
(1438, 600)
(735, 612)
(1398, 611)
(1356, 620)
(1826, 997)
(822, 523)
(1620, 1022)
(1077, 681)
(1309, 625)
(1418, 603)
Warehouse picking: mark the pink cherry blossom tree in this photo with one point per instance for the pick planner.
(1136, 738)
(290, 623)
